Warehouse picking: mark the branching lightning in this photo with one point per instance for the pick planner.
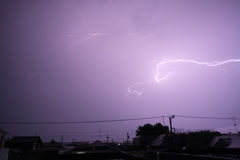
(157, 77)
(89, 36)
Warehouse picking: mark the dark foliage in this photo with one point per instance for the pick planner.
(148, 132)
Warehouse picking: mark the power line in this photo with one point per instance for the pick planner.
(198, 117)
(121, 120)
(99, 121)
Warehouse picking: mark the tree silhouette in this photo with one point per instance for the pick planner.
(53, 141)
(148, 132)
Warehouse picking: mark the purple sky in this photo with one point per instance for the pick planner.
(47, 76)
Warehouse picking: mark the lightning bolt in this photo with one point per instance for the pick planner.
(89, 36)
(157, 77)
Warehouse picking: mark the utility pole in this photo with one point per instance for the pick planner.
(107, 138)
(62, 139)
(170, 121)
(234, 123)
(127, 137)
(163, 121)
(99, 134)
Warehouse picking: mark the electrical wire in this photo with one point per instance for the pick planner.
(220, 118)
(99, 121)
(121, 120)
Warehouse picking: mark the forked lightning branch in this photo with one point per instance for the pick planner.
(158, 76)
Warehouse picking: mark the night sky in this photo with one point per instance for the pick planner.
(74, 61)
